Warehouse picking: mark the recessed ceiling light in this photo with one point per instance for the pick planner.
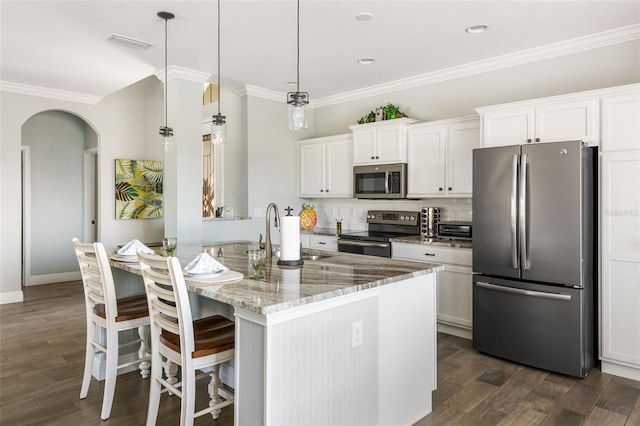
(129, 41)
(366, 61)
(476, 29)
(364, 16)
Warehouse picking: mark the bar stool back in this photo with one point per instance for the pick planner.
(193, 345)
(114, 315)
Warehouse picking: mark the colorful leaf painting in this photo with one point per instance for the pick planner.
(138, 189)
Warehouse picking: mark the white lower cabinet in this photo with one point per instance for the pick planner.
(620, 264)
(454, 284)
(320, 242)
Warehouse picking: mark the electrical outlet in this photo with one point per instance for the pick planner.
(259, 211)
(356, 334)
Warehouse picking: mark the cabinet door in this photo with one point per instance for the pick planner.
(567, 121)
(426, 151)
(364, 146)
(339, 169)
(390, 145)
(621, 122)
(455, 298)
(463, 138)
(510, 127)
(312, 165)
(620, 258)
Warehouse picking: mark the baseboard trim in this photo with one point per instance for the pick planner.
(54, 278)
(11, 297)
(620, 370)
(455, 331)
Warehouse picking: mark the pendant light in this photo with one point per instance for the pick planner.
(218, 131)
(298, 100)
(165, 131)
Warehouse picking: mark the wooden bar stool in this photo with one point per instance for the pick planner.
(112, 314)
(193, 345)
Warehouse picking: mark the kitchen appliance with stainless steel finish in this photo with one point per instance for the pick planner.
(455, 230)
(534, 254)
(383, 181)
(383, 225)
(429, 218)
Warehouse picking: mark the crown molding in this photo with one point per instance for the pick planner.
(259, 92)
(580, 44)
(177, 72)
(45, 92)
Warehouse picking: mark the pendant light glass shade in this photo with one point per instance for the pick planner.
(218, 127)
(165, 131)
(297, 100)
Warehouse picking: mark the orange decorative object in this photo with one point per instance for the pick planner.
(308, 217)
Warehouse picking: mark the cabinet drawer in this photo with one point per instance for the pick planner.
(323, 242)
(423, 253)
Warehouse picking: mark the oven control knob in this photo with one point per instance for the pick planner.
(401, 217)
(413, 218)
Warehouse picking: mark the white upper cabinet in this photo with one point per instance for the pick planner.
(382, 142)
(440, 157)
(621, 120)
(325, 167)
(561, 118)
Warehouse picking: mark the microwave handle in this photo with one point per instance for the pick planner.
(387, 182)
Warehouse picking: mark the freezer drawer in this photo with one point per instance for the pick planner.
(543, 326)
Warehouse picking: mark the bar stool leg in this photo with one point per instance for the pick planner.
(171, 371)
(144, 366)
(213, 391)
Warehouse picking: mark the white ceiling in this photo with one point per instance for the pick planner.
(62, 44)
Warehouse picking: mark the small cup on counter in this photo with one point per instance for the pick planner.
(169, 244)
(256, 264)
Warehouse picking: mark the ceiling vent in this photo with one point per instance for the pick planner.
(129, 41)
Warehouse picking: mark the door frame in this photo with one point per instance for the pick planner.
(25, 154)
(90, 195)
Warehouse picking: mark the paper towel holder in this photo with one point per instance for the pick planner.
(291, 264)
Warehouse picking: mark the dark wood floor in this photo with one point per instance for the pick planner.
(42, 355)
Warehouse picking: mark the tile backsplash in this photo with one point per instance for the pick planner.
(354, 211)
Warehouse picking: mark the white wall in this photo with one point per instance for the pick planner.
(126, 124)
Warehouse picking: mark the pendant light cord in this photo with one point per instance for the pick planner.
(298, 50)
(165, 70)
(219, 57)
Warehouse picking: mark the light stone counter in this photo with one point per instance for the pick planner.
(283, 288)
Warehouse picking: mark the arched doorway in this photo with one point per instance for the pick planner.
(59, 153)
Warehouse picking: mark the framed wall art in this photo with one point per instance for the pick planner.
(138, 189)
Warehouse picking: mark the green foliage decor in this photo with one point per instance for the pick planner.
(388, 112)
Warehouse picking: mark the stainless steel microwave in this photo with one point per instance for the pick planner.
(384, 181)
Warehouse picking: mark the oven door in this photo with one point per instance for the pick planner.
(369, 248)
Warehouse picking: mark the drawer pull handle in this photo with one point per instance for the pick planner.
(322, 242)
(429, 254)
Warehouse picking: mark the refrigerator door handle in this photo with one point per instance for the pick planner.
(556, 296)
(514, 213)
(522, 211)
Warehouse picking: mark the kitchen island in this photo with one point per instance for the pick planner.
(343, 339)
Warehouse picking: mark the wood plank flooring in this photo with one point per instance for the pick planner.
(42, 354)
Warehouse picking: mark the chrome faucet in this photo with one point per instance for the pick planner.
(267, 246)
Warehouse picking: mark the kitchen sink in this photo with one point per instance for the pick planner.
(308, 254)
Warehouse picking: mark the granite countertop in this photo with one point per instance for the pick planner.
(433, 241)
(285, 288)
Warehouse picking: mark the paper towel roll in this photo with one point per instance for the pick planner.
(290, 238)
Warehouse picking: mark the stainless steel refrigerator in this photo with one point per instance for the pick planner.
(534, 240)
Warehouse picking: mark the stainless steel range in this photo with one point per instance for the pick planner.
(383, 225)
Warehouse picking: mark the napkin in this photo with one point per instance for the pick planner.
(204, 264)
(132, 247)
